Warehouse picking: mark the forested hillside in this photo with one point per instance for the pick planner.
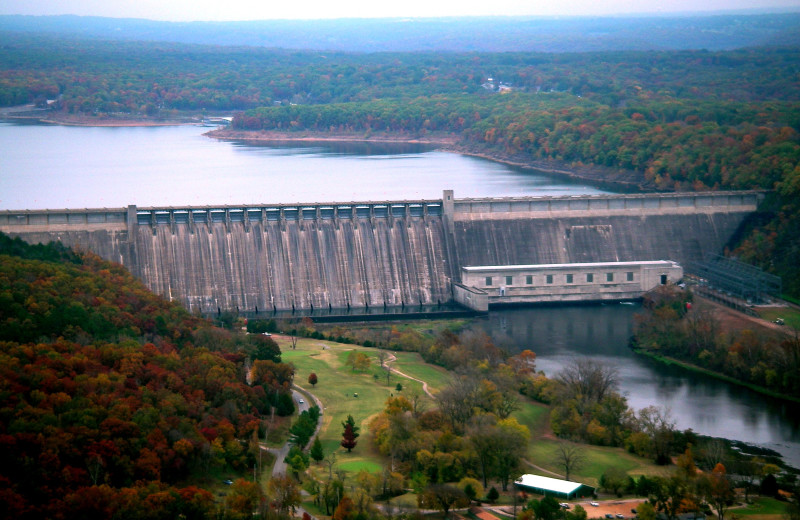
(114, 402)
(97, 77)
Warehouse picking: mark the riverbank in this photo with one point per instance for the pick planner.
(603, 177)
(729, 320)
(716, 375)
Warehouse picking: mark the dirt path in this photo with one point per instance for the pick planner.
(392, 358)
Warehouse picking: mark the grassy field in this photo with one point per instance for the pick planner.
(789, 315)
(338, 384)
(761, 509)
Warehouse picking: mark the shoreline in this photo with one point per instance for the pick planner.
(717, 375)
(620, 180)
(624, 181)
(33, 115)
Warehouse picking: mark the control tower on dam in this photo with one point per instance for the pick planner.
(376, 254)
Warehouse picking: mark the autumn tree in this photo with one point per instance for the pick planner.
(312, 379)
(285, 494)
(443, 497)
(720, 493)
(358, 361)
(348, 437)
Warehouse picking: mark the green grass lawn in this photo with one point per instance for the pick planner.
(762, 506)
(338, 385)
(597, 459)
(790, 315)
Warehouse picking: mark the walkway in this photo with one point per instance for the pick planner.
(392, 358)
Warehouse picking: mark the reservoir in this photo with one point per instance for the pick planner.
(53, 167)
(50, 167)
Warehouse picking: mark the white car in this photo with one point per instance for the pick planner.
(300, 401)
(595, 504)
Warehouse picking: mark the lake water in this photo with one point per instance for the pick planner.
(75, 167)
(46, 166)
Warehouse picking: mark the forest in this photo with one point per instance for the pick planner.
(752, 356)
(113, 400)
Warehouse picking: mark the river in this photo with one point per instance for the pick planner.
(706, 405)
(44, 166)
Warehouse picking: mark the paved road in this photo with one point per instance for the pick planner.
(279, 468)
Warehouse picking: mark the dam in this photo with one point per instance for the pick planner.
(374, 254)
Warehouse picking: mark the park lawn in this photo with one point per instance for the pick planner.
(543, 453)
(535, 416)
(790, 315)
(337, 386)
(411, 363)
(761, 507)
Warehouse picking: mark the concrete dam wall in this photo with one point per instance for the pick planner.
(378, 253)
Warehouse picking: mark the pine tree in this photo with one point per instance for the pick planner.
(316, 451)
(352, 422)
(349, 437)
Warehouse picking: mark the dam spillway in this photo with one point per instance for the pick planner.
(371, 254)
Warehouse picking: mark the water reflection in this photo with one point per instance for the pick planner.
(708, 406)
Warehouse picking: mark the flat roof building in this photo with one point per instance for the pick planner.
(559, 283)
(553, 487)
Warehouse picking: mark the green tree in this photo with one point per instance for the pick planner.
(316, 451)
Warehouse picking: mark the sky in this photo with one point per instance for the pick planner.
(228, 10)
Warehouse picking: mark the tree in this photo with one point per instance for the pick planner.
(352, 423)
(312, 379)
(471, 487)
(571, 457)
(646, 511)
(613, 480)
(284, 493)
(492, 495)
(443, 497)
(547, 508)
(316, 451)
(357, 361)
(348, 438)
(657, 423)
(243, 499)
(720, 493)
(589, 380)
(345, 510)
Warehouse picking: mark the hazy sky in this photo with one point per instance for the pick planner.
(188, 10)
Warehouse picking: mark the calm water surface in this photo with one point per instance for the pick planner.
(707, 406)
(56, 167)
(44, 166)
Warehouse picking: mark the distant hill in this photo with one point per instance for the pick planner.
(486, 34)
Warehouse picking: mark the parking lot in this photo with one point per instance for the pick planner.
(610, 507)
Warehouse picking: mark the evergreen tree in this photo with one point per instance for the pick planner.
(352, 423)
(349, 437)
(316, 451)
